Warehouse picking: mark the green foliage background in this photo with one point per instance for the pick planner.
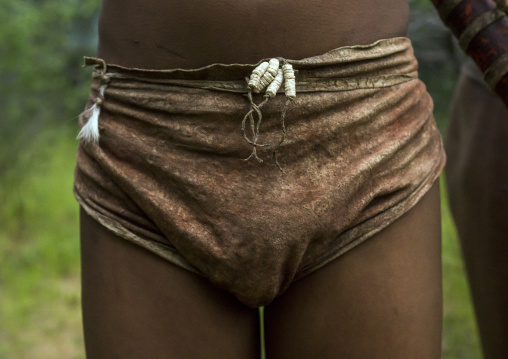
(42, 90)
(41, 43)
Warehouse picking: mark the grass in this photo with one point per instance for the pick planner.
(39, 252)
(39, 255)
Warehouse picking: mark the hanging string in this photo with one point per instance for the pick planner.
(254, 127)
(268, 75)
(283, 136)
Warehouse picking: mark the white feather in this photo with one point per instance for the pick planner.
(90, 131)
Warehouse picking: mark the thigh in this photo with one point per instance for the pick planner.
(136, 305)
(383, 299)
(477, 173)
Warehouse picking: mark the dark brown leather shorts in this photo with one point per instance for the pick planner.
(168, 174)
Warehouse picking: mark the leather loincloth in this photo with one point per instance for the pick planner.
(361, 149)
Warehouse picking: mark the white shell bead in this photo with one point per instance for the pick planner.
(273, 67)
(256, 75)
(289, 80)
(268, 76)
(271, 91)
(265, 81)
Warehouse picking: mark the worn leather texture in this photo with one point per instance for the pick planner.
(168, 173)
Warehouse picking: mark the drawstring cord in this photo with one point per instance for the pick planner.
(268, 75)
(283, 135)
(254, 127)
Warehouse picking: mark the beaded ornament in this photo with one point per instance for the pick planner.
(270, 76)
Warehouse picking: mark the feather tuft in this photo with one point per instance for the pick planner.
(90, 131)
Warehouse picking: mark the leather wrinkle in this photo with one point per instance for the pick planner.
(361, 149)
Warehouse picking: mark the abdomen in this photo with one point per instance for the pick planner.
(189, 34)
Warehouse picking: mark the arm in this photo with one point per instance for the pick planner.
(481, 26)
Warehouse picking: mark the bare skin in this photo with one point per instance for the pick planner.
(189, 34)
(477, 175)
(381, 300)
(136, 305)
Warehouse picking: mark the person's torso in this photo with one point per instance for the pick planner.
(189, 34)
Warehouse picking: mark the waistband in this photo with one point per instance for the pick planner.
(384, 63)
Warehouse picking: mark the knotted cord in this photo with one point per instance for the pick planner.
(268, 75)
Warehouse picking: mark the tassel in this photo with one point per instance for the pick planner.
(90, 131)
(268, 75)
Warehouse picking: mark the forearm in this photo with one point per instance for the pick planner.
(481, 26)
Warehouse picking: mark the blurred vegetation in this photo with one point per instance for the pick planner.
(42, 43)
(42, 90)
(438, 54)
